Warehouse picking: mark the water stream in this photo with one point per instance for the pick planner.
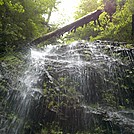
(94, 73)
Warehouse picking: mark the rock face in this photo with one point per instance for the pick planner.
(81, 87)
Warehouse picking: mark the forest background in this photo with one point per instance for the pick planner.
(21, 21)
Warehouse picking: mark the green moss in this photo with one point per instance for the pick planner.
(11, 60)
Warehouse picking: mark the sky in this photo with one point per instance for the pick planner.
(65, 12)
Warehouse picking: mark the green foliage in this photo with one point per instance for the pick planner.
(85, 7)
(52, 129)
(118, 30)
(22, 21)
(85, 33)
(119, 91)
(66, 97)
(13, 62)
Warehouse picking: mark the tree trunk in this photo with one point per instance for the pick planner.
(80, 22)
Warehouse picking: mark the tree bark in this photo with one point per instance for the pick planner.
(70, 27)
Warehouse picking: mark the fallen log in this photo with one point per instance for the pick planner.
(70, 27)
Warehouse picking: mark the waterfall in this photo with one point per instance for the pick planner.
(77, 80)
(25, 92)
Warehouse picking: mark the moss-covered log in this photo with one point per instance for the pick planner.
(70, 27)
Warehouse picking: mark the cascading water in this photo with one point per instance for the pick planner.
(74, 82)
(25, 91)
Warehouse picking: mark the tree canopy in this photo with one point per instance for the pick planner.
(22, 20)
(116, 22)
